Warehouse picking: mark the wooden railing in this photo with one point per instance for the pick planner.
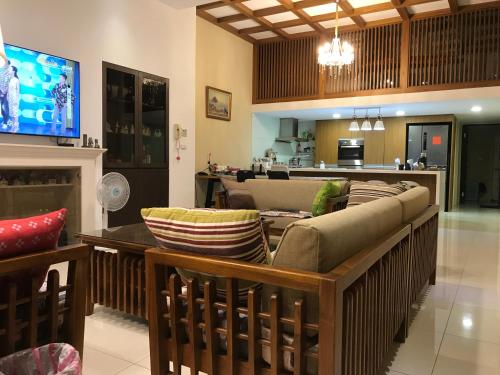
(437, 53)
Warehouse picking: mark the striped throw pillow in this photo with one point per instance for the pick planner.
(233, 234)
(366, 192)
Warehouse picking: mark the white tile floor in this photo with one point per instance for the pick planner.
(456, 326)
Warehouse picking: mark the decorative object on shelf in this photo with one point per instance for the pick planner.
(84, 145)
(354, 126)
(157, 133)
(379, 124)
(3, 56)
(333, 56)
(90, 143)
(96, 143)
(366, 125)
(124, 129)
(218, 104)
(108, 127)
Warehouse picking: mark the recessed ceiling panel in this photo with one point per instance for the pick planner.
(298, 29)
(429, 7)
(222, 11)
(281, 17)
(365, 3)
(470, 2)
(244, 24)
(369, 17)
(321, 9)
(345, 21)
(263, 35)
(260, 4)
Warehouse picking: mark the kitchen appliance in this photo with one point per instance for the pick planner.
(289, 130)
(351, 152)
(429, 143)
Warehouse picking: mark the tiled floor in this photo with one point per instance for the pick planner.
(455, 330)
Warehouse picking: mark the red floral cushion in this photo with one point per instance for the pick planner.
(29, 235)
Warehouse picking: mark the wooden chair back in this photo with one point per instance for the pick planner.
(40, 317)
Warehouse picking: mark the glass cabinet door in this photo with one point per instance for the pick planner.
(154, 121)
(120, 113)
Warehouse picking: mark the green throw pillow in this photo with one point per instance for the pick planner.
(320, 203)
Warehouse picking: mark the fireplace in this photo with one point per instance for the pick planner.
(28, 192)
(35, 179)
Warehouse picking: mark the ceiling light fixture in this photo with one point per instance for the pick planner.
(3, 56)
(333, 56)
(476, 108)
(400, 113)
(366, 126)
(379, 124)
(354, 126)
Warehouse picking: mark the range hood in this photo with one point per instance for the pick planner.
(289, 130)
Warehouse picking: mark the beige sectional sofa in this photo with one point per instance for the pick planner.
(339, 284)
(287, 195)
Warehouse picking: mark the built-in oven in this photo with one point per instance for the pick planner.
(351, 152)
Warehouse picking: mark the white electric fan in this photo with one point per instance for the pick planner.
(113, 192)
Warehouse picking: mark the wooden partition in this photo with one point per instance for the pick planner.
(435, 53)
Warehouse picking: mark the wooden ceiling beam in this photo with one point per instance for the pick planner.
(232, 18)
(453, 6)
(240, 7)
(306, 18)
(232, 30)
(403, 12)
(349, 10)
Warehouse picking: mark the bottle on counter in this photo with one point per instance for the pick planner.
(321, 164)
(423, 159)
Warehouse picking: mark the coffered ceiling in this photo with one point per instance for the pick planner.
(268, 20)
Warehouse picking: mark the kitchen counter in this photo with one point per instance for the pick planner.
(435, 181)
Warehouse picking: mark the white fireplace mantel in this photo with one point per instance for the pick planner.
(89, 160)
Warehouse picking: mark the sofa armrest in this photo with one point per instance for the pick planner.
(337, 203)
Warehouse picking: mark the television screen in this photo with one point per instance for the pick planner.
(39, 94)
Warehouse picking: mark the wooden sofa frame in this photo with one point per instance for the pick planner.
(362, 309)
(24, 323)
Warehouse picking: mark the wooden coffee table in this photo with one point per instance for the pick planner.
(117, 274)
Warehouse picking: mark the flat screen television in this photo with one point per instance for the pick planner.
(39, 94)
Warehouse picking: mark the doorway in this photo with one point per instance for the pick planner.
(480, 166)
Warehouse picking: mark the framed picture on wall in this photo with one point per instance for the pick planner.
(218, 103)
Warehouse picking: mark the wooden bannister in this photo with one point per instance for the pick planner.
(437, 53)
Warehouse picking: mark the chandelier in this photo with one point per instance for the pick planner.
(333, 56)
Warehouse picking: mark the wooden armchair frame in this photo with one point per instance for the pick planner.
(362, 309)
(22, 319)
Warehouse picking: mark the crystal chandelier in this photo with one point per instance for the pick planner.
(333, 56)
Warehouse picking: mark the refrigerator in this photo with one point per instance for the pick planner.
(434, 140)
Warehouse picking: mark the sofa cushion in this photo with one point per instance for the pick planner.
(234, 234)
(29, 235)
(320, 203)
(362, 192)
(284, 194)
(238, 195)
(414, 201)
(320, 244)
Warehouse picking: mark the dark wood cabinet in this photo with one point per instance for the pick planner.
(135, 132)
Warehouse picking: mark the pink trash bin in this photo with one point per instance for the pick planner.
(51, 359)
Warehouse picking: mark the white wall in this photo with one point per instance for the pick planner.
(141, 34)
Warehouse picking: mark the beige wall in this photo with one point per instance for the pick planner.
(223, 61)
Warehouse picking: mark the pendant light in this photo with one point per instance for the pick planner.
(379, 124)
(354, 126)
(366, 126)
(3, 56)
